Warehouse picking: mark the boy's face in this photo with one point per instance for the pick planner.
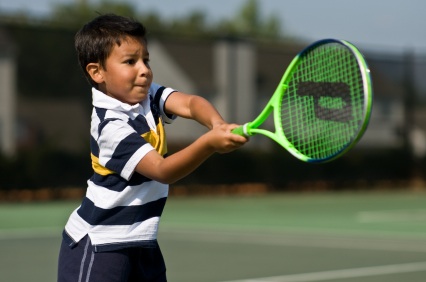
(127, 75)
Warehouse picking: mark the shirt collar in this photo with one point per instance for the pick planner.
(101, 100)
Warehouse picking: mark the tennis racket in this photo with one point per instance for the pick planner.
(322, 105)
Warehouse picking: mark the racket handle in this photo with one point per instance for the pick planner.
(241, 130)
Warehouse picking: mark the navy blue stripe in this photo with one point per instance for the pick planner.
(104, 123)
(100, 112)
(146, 244)
(68, 240)
(94, 147)
(120, 215)
(139, 124)
(158, 94)
(116, 183)
(155, 104)
(124, 151)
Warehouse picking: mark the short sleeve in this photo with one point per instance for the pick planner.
(159, 95)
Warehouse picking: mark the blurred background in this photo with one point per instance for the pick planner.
(362, 215)
(231, 52)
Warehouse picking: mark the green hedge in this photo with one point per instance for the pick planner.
(44, 168)
(50, 168)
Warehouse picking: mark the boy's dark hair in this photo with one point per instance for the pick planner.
(95, 40)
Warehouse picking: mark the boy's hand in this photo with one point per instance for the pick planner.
(223, 140)
(220, 139)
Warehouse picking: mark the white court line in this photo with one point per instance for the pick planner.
(298, 239)
(343, 273)
(415, 215)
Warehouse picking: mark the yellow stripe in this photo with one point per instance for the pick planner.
(98, 168)
(156, 139)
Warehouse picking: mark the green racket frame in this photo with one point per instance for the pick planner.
(274, 105)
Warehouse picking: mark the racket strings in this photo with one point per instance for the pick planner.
(338, 135)
(322, 109)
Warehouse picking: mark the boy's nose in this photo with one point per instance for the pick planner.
(144, 69)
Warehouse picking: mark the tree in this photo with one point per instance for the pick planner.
(248, 23)
(77, 14)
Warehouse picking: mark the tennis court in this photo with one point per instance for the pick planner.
(342, 237)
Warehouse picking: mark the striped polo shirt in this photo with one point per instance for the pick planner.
(122, 208)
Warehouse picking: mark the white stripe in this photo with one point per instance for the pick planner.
(164, 96)
(112, 134)
(83, 260)
(89, 270)
(147, 113)
(131, 196)
(146, 230)
(76, 226)
(344, 273)
(131, 164)
(109, 114)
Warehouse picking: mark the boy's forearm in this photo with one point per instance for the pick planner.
(218, 139)
(193, 107)
(184, 162)
(177, 165)
(205, 113)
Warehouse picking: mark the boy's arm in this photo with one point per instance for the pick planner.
(193, 107)
(178, 165)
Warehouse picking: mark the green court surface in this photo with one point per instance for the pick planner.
(341, 237)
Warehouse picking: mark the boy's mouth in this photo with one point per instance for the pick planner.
(141, 85)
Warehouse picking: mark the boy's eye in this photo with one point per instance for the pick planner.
(130, 62)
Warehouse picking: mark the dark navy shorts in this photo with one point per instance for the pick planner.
(81, 264)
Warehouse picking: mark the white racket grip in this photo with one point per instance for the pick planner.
(245, 130)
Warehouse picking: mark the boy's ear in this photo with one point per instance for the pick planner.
(94, 70)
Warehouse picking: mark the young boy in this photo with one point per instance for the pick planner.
(112, 235)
